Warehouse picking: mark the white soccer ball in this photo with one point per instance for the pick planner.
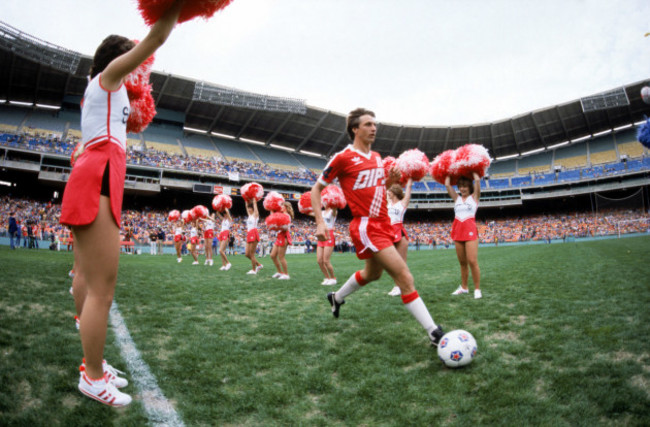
(645, 94)
(457, 348)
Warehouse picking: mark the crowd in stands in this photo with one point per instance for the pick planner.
(161, 159)
(41, 219)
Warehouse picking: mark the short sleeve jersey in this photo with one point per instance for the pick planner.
(362, 180)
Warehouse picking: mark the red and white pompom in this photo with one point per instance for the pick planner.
(304, 204)
(470, 159)
(273, 201)
(200, 211)
(174, 215)
(187, 216)
(389, 163)
(332, 197)
(221, 202)
(152, 10)
(278, 221)
(138, 89)
(440, 166)
(252, 191)
(413, 164)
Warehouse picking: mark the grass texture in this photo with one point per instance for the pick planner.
(563, 332)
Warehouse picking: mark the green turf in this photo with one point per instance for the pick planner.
(563, 332)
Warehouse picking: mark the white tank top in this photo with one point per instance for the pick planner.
(329, 219)
(225, 225)
(178, 231)
(193, 232)
(465, 209)
(396, 212)
(209, 225)
(104, 114)
(251, 222)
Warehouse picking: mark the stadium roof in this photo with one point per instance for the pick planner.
(37, 72)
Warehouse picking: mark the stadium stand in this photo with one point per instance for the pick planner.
(602, 149)
(538, 163)
(163, 138)
(503, 169)
(571, 156)
(235, 151)
(200, 145)
(11, 118)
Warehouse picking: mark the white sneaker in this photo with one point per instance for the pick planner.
(333, 281)
(395, 291)
(110, 373)
(211, 262)
(276, 275)
(207, 262)
(478, 294)
(460, 291)
(223, 267)
(251, 272)
(71, 291)
(102, 390)
(325, 282)
(227, 267)
(258, 268)
(179, 259)
(284, 277)
(195, 263)
(76, 322)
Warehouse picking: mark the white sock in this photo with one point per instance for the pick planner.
(421, 314)
(349, 287)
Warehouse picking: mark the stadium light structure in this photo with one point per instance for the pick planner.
(221, 95)
(603, 101)
(38, 50)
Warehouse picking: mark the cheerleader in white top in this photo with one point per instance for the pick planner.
(92, 200)
(208, 235)
(398, 201)
(325, 248)
(464, 232)
(194, 241)
(224, 236)
(179, 238)
(252, 235)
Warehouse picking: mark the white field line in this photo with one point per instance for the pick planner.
(158, 408)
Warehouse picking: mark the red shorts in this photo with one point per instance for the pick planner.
(464, 231)
(224, 235)
(370, 235)
(399, 231)
(253, 236)
(178, 237)
(194, 240)
(327, 243)
(81, 195)
(283, 238)
(208, 234)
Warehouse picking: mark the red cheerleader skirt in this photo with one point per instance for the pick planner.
(252, 236)
(81, 195)
(399, 231)
(464, 231)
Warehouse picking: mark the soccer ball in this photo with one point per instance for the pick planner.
(645, 94)
(457, 348)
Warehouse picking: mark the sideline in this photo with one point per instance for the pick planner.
(158, 408)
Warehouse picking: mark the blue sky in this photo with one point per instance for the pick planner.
(415, 62)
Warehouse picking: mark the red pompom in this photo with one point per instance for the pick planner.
(142, 113)
(152, 10)
(221, 202)
(441, 164)
(304, 204)
(332, 197)
(273, 201)
(252, 191)
(138, 88)
(412, 164)
(200, 211)
(174, 215)
(389, 163)
(187, 216)
(278, 221)
(470, 159)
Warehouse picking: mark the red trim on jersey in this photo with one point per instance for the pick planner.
(410, 297)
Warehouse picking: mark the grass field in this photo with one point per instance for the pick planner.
(563, 333)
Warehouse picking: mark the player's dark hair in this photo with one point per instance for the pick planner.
(397, 191)
(353, 120)
(109, 49)
(464, 181)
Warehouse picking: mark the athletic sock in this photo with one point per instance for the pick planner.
(353, 284)
(415, 305)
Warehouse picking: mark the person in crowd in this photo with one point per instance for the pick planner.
(12, 229)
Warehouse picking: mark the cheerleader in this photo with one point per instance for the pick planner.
(194, 241)
(464, 232)
(252, 235)
(282, 242)
(224, 237)
(92, 200)
(325, 248)
(398, 201)
(208, 235)
(179, 237)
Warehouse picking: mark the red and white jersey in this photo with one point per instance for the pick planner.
(225, 225)
(396, 212)
(104, 114)
(251, 222)
(362, 180)
(465, 209)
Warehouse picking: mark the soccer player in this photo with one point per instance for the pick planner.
(464, 232)
(398, 201)
(92, 200)
(361, 175)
